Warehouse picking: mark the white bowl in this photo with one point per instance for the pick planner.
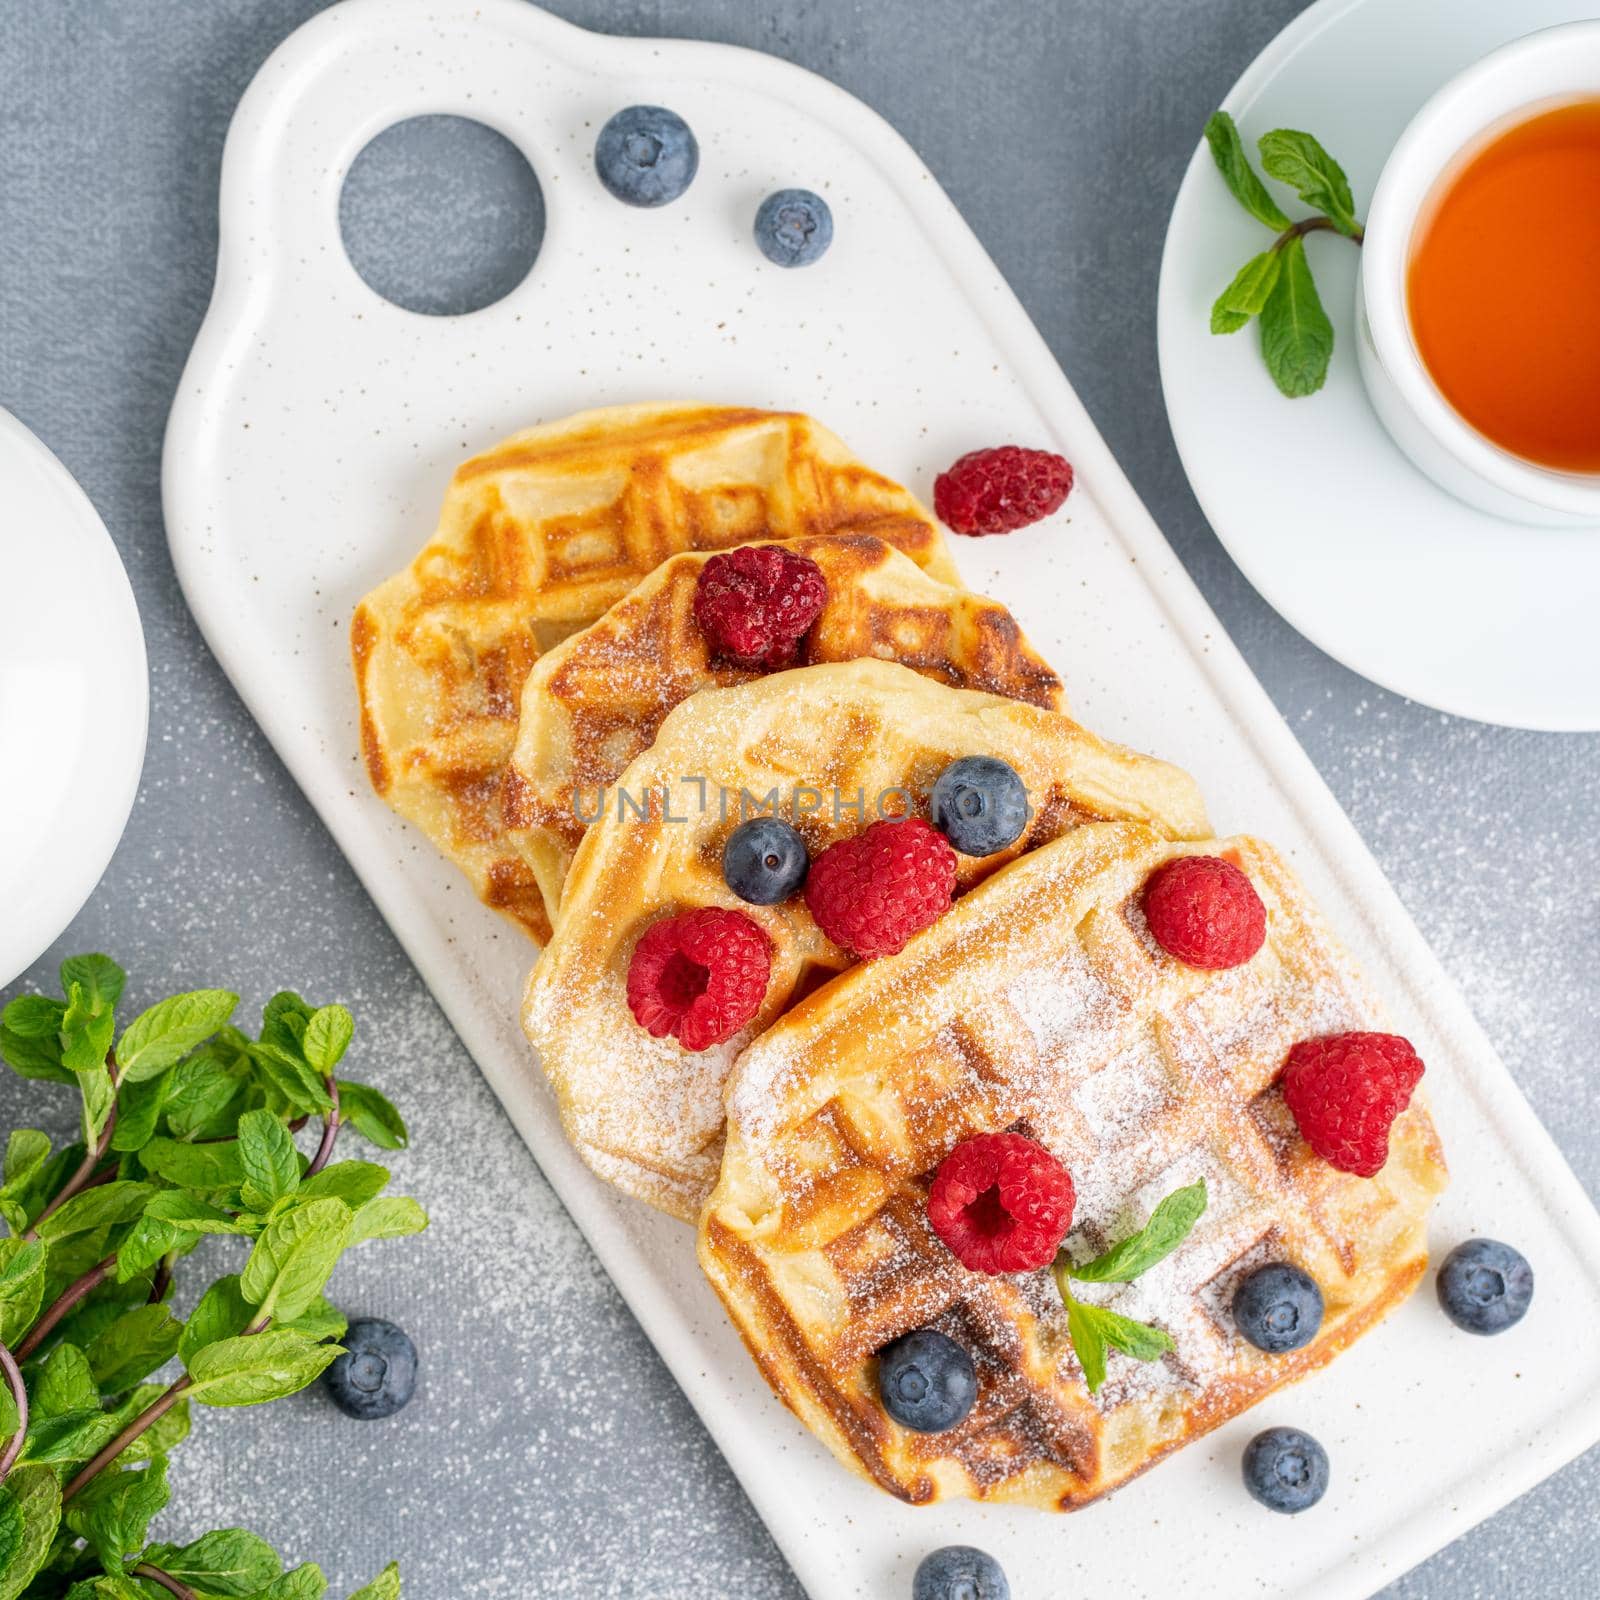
(74, 698)
(1553, 65)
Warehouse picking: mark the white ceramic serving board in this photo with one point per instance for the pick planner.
(309, 446)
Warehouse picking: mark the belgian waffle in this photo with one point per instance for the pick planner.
(536, 538)
(595, 702)
(1040, 1003)
(644, 1113)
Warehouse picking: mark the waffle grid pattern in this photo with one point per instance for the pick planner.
(1040, 1003)
(536, 539)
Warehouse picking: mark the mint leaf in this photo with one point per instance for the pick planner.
(229, 1561)
(258, 1367)
(283, 1021)
(30, 1512)
(203, 1091)
(86, 1033)
(22, 1278)
(1227, 150)
(139, 1107)
(268, 1157)
(388, 1217)
(303, 1583)
(33, 1055)
(354, 1182)
(292, 1078)
(1296, 336)
(294, 1258)
(1093, 1328)
(113, 1511)
(327, 1037)
(386, 1586)
(33, 1016)
(173, 1220)
(170, 1030)
(222, 1314)
(63, 1382)
(1169, 1225)
(99, 1094)
(73, 1436)
(105, 1206)
(133, 1347)
(1245, 296)
(1299, 161)
(1087, 1343)
(320, 1321)
(100, 978)
(372, 1116)
(205, 1167)
(27, 1150)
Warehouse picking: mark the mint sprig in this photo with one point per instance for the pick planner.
(1093, 1329)
(187, 1129)
(1276, 286)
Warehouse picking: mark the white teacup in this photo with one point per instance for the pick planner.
(1545, 68)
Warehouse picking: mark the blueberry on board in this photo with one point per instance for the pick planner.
(1485, 1286)
(927, 1381)
(794, 227)
(1278, 1308)
(377, 1374)
(646, 155)
(980, 804)
(1286, 1470)
(960, 1572)
(764, 861)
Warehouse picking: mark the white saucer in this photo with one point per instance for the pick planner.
(1365, 556)
(74, 697)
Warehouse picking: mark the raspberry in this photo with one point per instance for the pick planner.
(1346, 1090)
(1001, 1203)
(754, 604)
(995, 491)
(1204, 911)
(699, 976)
(871, 893)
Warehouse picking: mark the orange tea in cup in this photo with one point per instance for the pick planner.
(1503, 287)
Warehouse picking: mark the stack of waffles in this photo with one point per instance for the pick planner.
(538, 696)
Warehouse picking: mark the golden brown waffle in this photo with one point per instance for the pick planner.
(644, 1113)
(1040, 1003)
(595, 701)
(537, 537)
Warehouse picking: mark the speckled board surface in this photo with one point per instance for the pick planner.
(562, 1456)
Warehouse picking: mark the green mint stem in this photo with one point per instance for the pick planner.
(63, 1303)
(81, 1178)
(1318, 224)
(147, 1418)
(330, 1130)
(19, 1394)
(172, 1585)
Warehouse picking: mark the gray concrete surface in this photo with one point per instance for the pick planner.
(549, 1454)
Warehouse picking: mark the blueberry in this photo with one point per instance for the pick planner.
(377, 1374)
(794, 227)
(959, 1572)
(980, 805)
(1277, 1308)
(764, 861)
(1485, 1286)
(927, 1381)
(646, 155)
(1286, 1470)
